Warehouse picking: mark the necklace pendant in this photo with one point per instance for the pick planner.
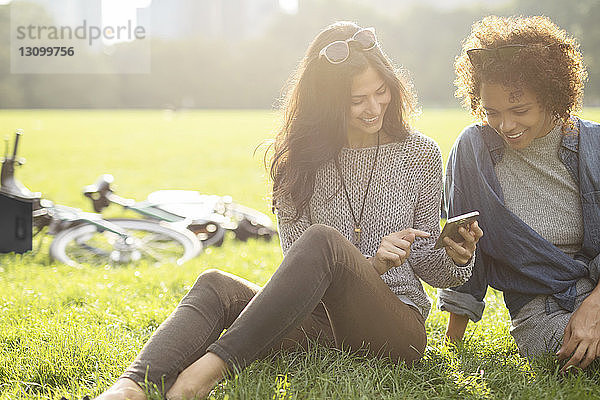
(357, 232)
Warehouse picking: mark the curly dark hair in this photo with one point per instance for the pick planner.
(550, 64)
(315, 107)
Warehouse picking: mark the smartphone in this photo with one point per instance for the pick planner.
(451, 228)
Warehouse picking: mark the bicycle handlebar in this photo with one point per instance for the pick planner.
(8, 183)
(18, 134)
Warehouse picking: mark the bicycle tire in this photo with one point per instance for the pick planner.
(153, 241)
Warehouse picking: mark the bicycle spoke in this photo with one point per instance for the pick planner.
(163, 247)
(151, 253)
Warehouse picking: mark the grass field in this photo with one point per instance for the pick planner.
(71, 332)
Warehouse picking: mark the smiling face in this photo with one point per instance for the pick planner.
(515, 114)
(370, 98)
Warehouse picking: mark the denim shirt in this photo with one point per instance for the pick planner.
(511, 256)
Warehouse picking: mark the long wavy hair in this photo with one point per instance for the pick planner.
(315, 108)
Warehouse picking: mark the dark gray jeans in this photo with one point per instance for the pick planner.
(324, 290)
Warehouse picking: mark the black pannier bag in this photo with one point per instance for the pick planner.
(16, 206)
(15, 223)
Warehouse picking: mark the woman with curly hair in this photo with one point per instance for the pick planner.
(532, 169)
(358, 196)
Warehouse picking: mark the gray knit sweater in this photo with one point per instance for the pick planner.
(539, 190)
(405, 193)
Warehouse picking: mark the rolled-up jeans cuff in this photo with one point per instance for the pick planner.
(460, 303)
(232, 363)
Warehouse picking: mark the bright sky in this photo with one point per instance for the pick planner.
(118, 12)
(289, 6)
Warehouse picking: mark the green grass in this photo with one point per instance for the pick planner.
(71, 332)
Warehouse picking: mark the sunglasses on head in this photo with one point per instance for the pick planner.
(479, 57)
(337, 52)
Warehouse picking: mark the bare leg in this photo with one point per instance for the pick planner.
(197, 380)
(124, 388)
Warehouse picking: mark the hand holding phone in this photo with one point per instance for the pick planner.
(451, 228)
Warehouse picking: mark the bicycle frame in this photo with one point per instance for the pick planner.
(145, 209)
(75, 215)
(208, 216)
(101, 196)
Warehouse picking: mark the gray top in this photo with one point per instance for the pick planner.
(405, 192)
(538, 188)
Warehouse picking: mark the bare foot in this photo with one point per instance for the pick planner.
(123, 389)
(197, 380)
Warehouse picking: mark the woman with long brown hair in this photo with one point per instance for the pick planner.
(358, 195)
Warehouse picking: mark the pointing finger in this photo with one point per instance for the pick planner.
(416, 232)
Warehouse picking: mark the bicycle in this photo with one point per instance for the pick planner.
(86, 238)
(209, 215)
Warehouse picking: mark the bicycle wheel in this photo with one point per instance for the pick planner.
(148, 241)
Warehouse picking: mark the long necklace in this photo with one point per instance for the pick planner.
(357, 222)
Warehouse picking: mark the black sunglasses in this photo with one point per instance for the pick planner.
(479, 57)
(337, 52)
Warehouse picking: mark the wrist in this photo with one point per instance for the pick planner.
(593, 299)
(461, 264)
(376, 265)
